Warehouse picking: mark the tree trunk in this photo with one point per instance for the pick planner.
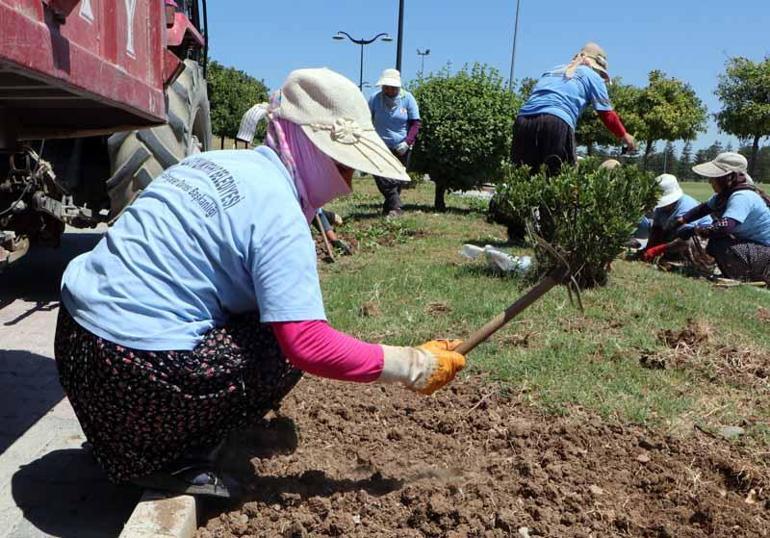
(438, 202)
(222, 143)
(590, 148)
(753, 160)
(647, 151)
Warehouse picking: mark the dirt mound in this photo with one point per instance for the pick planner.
(345, 460)
(438, 308)
(695, 334)
(695, 347)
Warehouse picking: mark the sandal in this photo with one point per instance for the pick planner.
(193, 480)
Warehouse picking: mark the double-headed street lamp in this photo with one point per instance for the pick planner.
(342, 35)
(422, 54)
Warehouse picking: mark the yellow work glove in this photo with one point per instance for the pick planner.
(423, 369)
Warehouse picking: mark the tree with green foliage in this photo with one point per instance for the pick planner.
(585, 213)
(669, 110)
(744, 90)
(669, 158)
(761, 170)
(467, 124)
(684, 166)
(231, 93)
(526, 85)
(713, 150)
(591, 132)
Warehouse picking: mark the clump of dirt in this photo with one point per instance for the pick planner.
(370, 310)
(695, 334)
(763, 314)
(438, 308)
(353, 460)
(695, 347)
(517, 340)
(749, 366)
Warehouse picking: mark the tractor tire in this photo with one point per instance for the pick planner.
(137, 157)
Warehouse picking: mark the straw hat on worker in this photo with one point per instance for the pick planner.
(723, 164)
(594, 57)
(671, 191)
(334, 115)
(390, 77)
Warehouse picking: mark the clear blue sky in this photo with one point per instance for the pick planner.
(688, 39)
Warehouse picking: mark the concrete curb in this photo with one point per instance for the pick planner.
(160, 516)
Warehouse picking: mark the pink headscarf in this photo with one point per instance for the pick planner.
(316, 176)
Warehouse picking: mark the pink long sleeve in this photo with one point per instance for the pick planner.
(316, 348)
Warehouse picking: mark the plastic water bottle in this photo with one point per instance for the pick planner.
(505, 262)
(471, 251)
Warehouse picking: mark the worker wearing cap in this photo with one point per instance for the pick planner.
(396, 117)
(667, 235)
(201, 307)
(739, 236)
(544, 132)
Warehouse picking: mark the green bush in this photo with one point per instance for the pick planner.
(231, 93)
(585, 213)
(467, 126)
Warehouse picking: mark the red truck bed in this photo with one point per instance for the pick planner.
(78, 67)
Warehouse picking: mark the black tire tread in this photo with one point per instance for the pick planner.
(136, 157)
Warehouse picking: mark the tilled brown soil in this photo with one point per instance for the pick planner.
(352, 460)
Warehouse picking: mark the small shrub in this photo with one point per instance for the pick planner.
(586, 213)
(467, 124)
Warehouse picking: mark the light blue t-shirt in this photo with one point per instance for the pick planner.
(749, 209)
(663, 218)
(566, 98)
(391, 122)
(220, 233)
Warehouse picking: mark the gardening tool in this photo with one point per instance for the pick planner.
(557, 276)
(323, 234)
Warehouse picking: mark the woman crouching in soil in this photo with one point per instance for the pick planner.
(739, 236)
(201, 307)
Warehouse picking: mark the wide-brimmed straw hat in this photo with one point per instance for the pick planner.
(723, 164)
(390, 77)
(672, 192)
(610, 164)
(335, 116)
(597, 59)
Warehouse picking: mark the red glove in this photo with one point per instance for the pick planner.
(653, 252)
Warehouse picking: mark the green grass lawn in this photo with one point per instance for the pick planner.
(700, 190)
(416, 287)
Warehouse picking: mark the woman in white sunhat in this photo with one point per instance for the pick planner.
(396, 117)
(739, 236)
(201, 307)
(667, 236)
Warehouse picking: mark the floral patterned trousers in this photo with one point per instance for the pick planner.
(141, 410)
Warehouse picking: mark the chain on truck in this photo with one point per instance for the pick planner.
(97, 97)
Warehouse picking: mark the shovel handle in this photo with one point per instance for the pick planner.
(492, 326)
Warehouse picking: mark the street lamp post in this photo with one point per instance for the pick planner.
(513, 50)
(422, 54)
(361, 42)
(400, 34)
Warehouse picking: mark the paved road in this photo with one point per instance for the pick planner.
(49, 485)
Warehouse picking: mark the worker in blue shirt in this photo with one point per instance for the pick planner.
(396, 118)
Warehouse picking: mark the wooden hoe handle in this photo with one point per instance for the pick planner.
(323, 234)
(511, 312)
